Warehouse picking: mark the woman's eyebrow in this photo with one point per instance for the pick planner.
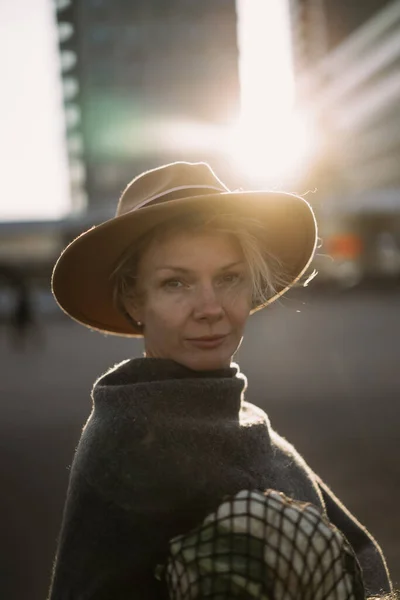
(184, 270)
(172, 268)
(234, 264)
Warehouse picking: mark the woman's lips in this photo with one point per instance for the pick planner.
(205, 343)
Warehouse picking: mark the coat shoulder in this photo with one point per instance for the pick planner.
(293, 475)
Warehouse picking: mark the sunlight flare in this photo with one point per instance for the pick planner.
(272, 140)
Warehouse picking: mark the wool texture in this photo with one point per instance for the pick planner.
(162, 447)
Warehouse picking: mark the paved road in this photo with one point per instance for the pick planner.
(326, 368)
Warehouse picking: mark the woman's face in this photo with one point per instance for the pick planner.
(193, 286)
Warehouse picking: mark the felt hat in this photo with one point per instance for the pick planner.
(82, 282)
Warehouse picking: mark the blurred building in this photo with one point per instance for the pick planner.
(143, 80)
(347, 58)
(319, 26)
(345, 18)
(348, 67)
(309, 33)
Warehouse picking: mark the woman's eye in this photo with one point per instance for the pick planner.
(231, 278)
(172, 283)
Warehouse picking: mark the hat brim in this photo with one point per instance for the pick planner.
(81, 281)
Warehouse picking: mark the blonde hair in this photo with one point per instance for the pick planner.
(266, 272)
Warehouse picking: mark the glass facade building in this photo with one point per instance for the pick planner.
(151, 76)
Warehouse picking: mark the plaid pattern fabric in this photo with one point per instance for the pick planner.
(264, 546)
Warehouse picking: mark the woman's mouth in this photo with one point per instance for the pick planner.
(208, 342)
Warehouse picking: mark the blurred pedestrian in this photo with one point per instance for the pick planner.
(182, 265)
(24, 325)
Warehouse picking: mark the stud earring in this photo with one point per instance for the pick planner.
(139, 323)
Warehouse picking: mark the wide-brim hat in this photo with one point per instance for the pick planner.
(82, 282)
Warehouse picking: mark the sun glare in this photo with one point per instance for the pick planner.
(33, 156)
(272, 140)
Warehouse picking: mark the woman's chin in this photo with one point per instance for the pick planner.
(206, 361)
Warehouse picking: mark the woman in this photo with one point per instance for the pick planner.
(183, 264)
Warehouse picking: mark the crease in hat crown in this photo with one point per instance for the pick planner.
(173, 178)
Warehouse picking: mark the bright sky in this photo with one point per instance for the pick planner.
(272, 140)
(34, 176)
(266, 72)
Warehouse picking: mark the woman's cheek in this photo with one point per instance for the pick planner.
(172, 302)
(182, 303)
(239, 298)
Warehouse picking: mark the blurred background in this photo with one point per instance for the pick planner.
(301, 95)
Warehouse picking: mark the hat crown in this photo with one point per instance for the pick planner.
(174, 180)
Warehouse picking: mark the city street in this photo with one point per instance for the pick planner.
(324, 366)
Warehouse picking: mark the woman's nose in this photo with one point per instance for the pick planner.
(208, 304)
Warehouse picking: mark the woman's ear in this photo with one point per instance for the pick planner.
(134, 309)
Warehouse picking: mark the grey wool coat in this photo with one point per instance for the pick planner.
(161, 448)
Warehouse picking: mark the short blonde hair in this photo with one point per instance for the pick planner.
(266, 273)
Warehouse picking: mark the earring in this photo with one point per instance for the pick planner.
(139, 323)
